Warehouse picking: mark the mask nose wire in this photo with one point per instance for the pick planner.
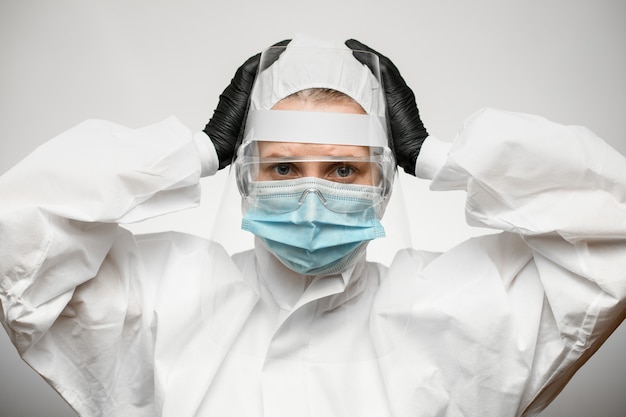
(308, 191)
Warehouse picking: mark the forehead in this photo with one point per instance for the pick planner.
(332, 106)
(286, 149)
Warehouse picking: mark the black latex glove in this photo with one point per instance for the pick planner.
(407, 130)
(225, 129)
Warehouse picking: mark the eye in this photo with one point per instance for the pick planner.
(282, 169)
(352, 172)
(278, 170)
(344, 171)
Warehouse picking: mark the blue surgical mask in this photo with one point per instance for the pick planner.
(312, 239)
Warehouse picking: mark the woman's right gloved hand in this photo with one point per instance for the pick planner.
(225, 128)
(228, 119)
(407, 130)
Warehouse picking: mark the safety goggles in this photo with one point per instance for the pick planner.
(338, 180)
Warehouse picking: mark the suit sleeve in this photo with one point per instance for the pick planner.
(562, 191)
(72, 287)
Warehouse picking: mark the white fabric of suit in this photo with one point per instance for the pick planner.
(169, 324)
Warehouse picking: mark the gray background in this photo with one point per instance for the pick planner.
(136, 62)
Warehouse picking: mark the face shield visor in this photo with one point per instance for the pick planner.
(316, 113)
(314, 168)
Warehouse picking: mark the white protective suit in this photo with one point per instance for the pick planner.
(168, 324)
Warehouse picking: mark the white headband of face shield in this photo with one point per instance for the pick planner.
(315, 127)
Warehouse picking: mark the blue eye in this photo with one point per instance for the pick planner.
(282, 169)
(344, 171)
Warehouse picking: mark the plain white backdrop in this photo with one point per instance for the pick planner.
(136, 62)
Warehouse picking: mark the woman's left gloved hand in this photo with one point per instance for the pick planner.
(407, 130)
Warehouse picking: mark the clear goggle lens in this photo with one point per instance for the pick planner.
(343, 184)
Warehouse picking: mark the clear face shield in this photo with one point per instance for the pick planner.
(314, 171)
(314, 168)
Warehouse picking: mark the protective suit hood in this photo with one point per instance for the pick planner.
(313, 63)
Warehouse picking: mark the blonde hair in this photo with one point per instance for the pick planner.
(322, 95)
